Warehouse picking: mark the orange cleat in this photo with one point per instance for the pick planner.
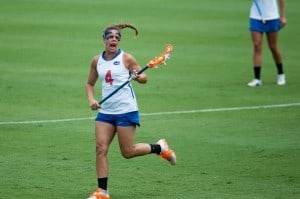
(166, 153)
(99, 194)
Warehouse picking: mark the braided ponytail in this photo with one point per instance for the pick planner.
(124, 25)
(119, 27)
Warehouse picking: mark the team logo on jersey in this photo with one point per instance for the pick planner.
(116, 62)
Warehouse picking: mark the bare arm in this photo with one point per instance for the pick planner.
(282, 13)
(92, 78)
(134, 67)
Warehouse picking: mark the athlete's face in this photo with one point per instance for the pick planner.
(111, 40)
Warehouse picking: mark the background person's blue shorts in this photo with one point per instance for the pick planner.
(256, 25)
(125, 119)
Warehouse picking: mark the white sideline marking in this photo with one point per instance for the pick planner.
(161, 113)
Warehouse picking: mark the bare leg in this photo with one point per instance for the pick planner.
(126, 143)
(272, 42)
(257, 48)
(257, 58)
(105, 133)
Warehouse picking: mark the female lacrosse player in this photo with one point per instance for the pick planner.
(119, 114)
(265, 17)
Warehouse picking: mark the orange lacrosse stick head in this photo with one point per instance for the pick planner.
(161, 58)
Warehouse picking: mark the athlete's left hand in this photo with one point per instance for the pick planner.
(283, 22)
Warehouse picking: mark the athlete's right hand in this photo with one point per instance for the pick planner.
(94, 104)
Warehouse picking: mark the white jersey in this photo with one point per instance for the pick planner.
(264, 9)
(112, 74)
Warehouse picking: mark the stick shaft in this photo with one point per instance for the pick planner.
(259, 10)
(120, 87)
(142, 70)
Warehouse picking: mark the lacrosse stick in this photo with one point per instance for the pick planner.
(259, 11)
(154, 63)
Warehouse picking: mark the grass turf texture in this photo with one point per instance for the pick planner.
(46, 48)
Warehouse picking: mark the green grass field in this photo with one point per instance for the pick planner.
(249, 152)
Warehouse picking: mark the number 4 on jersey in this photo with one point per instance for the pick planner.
(108, 77)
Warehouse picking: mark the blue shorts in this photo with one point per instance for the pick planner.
(256, 25)
(125, 119)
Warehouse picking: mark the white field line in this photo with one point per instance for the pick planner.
(161, 113)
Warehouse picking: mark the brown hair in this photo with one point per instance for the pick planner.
(119, 27)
